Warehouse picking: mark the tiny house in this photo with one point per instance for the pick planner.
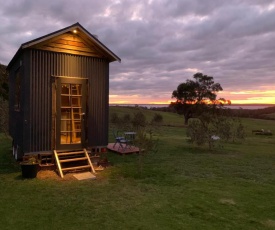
(59, 93)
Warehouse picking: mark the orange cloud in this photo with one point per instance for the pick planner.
(236, 97)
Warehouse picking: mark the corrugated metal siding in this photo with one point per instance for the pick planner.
(40, 102)
(25, 102)
(43, 65)
(16, 118)
(98, 104)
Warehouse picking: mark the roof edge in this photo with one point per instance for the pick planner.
(56, 33)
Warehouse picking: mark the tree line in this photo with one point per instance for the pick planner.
(4, 84)
(4, 97)
(240, 112)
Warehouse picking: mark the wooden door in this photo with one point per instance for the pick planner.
(70, 113)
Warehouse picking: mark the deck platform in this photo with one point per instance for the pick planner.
(122, 151)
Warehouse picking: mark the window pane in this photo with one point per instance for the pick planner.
(65, 101)
(76, 89)
(76, 137)
(65, 138)
(71, 103)
(76, 101)
(77, 113)
(65, 88)
(65, 113)
(76, 126)
(65, 125)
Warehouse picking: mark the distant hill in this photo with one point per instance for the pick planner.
(4, 85)
(265, 113)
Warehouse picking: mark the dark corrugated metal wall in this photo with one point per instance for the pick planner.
(16, 118)
(43, 65)
(99, 104)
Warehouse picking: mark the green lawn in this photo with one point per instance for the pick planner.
(182, 187)
(270, 115)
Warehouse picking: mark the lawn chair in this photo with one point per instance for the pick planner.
(121, 141)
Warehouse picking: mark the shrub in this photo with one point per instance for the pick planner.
(114, 118)
(144, 138)
(157, 119)
(139, 120)
(212, 127)
(197, 132)
(4, 115)
(146, 142)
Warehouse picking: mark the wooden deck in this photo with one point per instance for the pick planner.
(125, 150)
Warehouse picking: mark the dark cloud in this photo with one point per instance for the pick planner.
(161, 42)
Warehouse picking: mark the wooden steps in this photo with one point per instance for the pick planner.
(72, 160)
(77, 167)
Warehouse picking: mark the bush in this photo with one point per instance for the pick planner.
(139, 120)
(212, 127)
(114, 118)
(4, 115)
(144, 138)
(157, 119)
(197, 132)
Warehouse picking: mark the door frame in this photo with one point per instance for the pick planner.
(69, 80)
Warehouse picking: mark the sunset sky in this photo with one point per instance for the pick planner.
(162, 42)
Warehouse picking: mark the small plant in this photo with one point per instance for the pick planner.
(144, 132)
(139, 120)
(30, 161)
(122, 123)
(4, 115)
(126, 122)
(29, 167)
(114, 118)
(239, 132)
(146, 143)
(157, 119)
(209, 128)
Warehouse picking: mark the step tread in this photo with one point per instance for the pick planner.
(76, 167)
(73, 159)
(70, 153)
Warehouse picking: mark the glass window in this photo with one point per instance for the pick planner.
(71, 103)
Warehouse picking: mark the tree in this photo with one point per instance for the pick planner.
(215, 127)
(145, 138)
(4, 115)
(195, 97)
(4, 86)
(4, 96)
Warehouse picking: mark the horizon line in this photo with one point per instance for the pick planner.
(251, 104)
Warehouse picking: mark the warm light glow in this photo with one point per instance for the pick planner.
(160, 102)
(251, 97)
(236, 97)
(75, 31)
(254, 101)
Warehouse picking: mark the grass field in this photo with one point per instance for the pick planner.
(181, 187)
(271, 115)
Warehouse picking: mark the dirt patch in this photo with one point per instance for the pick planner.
(227, 201)
(53, 175)
(48, 174)
(269, 223)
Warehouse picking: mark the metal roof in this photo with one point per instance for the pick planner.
(82, 33)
